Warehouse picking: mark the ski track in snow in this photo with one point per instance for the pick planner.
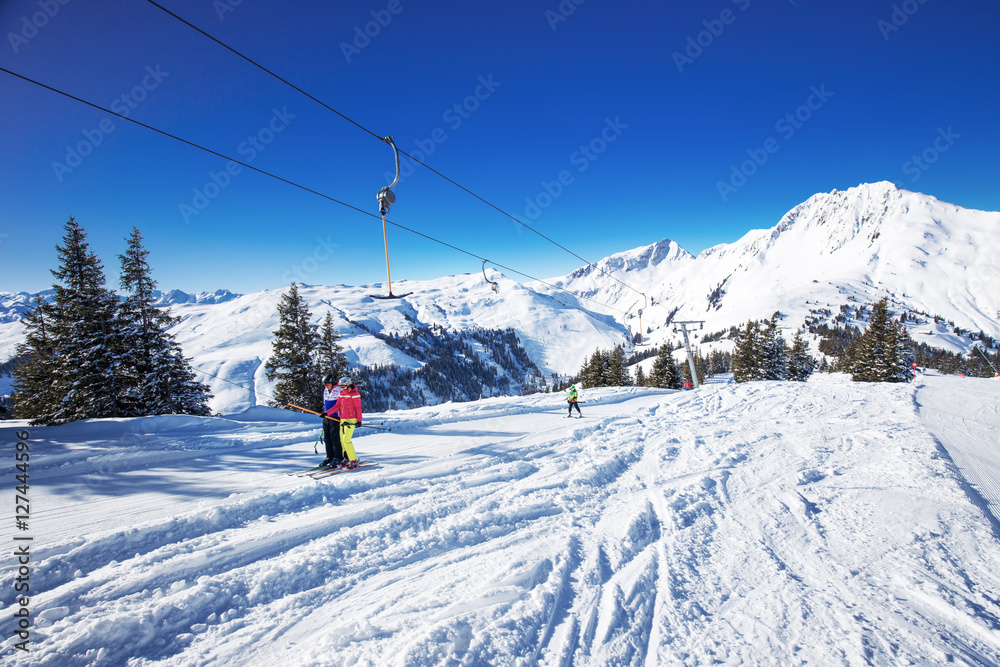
(765, 523)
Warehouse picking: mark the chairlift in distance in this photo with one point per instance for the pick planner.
(646, 305)
(494, 285)
(386, 198)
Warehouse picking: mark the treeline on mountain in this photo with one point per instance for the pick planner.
(611, 368)
(89, 353)
(456, 366)
(977, 363)
(762, 353)
(885, 345)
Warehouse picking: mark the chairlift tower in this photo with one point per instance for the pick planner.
(687, 346)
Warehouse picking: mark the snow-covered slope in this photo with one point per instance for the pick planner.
(776, 523)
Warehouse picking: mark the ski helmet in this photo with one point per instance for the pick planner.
(328, 379)
(344, 381)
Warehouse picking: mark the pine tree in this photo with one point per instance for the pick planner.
(665, 372)
(590, 373)
(36, 379)
(331, 359)
(84, 336)
(640, 377)
(159, 380)
(884, 352)
(746, 355)
(800, 362)
(773, 352)
(293, 353)
(903, 354)
(617, 372)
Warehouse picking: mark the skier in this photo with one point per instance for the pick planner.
(331, 430)
(574, 396)
(349, 407)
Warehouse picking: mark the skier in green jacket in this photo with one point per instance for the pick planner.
(574, 396)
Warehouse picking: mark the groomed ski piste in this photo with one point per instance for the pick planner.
(827, 522)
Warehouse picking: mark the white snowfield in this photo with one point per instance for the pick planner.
(775, 523)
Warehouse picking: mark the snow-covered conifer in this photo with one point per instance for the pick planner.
(665, 373)
(85, 338)
(331, 359)
(158, 379)
(293, 354)
(36, 378)
(884, 352)
(617, 372)
(800, 362)
(747, 354)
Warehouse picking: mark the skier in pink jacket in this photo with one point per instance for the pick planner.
(349, 407)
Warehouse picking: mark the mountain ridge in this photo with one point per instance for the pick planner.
(836, 248)
(862, 243)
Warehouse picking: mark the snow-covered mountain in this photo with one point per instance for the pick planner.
(231, 341)
(861, 244)
(836, 248)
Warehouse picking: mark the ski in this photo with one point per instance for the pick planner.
(320, 474)
(308, 471)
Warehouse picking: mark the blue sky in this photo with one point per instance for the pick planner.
(604, 126)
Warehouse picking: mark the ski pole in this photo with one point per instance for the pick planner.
(292, 405)
(377, 428)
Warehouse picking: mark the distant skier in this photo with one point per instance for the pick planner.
(331, 427)
(349, 407)
(574, 397)
(688, 386)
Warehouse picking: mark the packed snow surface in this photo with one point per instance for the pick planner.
(765, 523)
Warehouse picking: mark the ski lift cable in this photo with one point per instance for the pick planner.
(983, 354)
(297, 185)
(184, 141)
(379, 137)
(261, 67)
